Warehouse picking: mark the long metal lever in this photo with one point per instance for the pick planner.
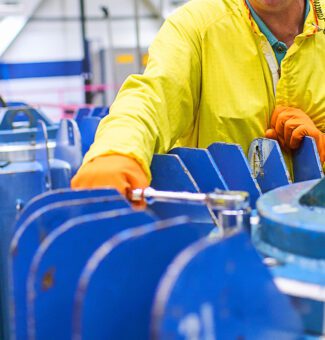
(217, 200)
(229, 209)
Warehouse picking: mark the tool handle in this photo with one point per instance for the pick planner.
(218, 200)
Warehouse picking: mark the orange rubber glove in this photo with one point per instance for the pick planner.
(289, 126)
(115, 171)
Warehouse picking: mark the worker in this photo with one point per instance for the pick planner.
(218, 71)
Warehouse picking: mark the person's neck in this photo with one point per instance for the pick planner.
(285, 23)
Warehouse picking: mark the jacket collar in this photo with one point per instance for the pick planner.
(313, 24)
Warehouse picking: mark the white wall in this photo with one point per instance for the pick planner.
(60, 40)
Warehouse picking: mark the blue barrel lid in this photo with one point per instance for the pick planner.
(289, 226)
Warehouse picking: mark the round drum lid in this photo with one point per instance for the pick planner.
(290, 226)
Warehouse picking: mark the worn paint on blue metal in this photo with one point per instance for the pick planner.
(202, 167)
(57, 196)
(221, 290)
(169, 173)
(234, 168)
(268, 165)
(68, 144)
(32, 233)
(306, 162)
(88, 127)
(144, 253)
(57, 266)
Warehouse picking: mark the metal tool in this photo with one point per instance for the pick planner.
(231, 208)
(218, 200)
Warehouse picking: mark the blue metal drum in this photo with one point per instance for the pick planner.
(19, 124)
(291, 235)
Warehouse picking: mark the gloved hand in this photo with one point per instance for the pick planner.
(116, 171)
(290, 125)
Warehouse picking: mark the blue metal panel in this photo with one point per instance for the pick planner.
(47, 198)
(82, 113)
(88, 127)
(57, 266)
(234, 168)
(32, 233)
(15, 176)
(8, 117)
(268, 165)
(13, 194)
(170, 173)
(126, 295)
(221, 290)
(30, 117)
(60, 174)
(15, 104)
(306, 162)
(24, 135)
(41, 69)
(202, 167)
(68, 144)
(100, 112)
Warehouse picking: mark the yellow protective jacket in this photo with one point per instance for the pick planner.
(212, 76)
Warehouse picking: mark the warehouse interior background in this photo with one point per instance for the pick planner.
(46, 58)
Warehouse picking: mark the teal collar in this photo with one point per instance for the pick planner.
(280, 48)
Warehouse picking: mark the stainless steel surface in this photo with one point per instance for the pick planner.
(16, 152)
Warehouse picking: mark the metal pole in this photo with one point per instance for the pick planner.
(161, 10)
(108, 17)
(86, 62)
(137, 31)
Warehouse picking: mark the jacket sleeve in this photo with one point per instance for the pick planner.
(152, 111)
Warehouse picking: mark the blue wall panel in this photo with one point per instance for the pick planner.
(41, 69)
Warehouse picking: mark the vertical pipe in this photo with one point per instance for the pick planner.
(137, 32)
(161, 10)
(107, 15)
(86, 59)
(103, 80)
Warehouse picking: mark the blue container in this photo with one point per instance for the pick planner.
(19, 182)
